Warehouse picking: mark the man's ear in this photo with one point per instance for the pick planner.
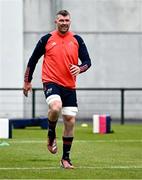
(55, 21)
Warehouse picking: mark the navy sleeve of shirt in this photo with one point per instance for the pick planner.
(83, 54)
(37, 53)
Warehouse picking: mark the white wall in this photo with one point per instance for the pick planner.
(11, 56)
(11, 33)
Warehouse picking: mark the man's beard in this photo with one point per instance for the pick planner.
(64, 29)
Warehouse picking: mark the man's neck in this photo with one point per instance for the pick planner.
(62, 34)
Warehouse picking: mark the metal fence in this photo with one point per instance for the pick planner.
(89, 101)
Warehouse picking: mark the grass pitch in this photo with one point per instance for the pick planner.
(116, 155)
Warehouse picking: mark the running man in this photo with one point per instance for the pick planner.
(61, 49)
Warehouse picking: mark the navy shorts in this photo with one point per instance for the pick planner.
(68, 96)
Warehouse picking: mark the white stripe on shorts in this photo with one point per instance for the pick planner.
(71, 111)
(54, 97)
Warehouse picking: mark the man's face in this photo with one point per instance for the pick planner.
(63, 23)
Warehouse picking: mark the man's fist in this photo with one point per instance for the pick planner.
(27, 87)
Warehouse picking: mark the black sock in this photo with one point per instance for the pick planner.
(51, 130)
(67, 143)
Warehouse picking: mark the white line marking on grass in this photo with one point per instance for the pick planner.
(111, 167)
(80, 167)
(110, 141)
(80, 141)
(28, 168)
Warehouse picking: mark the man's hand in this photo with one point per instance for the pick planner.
(27, 87)
(74, 69)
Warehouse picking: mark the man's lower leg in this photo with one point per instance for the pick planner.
(53, 114)
(65, 161)
(67, 143)
(52, 146)
(69, 122)
(51, 130)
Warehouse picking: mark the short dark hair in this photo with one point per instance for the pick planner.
(63, 13)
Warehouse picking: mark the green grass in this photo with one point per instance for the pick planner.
(116, 155)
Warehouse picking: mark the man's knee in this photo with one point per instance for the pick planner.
(54, 110)
(69, 119)
(55, 106)
(54, 102)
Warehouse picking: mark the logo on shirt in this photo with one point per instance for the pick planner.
(71, 43)
(54, 43)
(48, 91)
